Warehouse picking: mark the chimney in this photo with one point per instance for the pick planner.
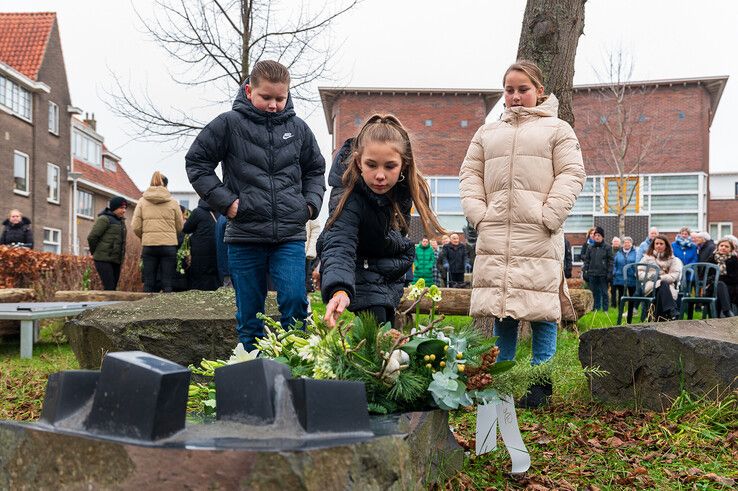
(91, 121)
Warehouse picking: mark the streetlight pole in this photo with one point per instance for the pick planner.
(73, 177)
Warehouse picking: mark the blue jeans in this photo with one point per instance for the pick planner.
(598, 285)
(544, 339)
(249, 265)
(221, 249)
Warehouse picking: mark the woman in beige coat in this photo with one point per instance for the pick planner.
(519, 181)
(660, 254)
(157, 221)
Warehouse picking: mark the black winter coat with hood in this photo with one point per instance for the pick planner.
(203, 271)
(360, 253)
(271, 163)
(20, 232)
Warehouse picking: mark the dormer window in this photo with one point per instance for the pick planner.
(87, 149)
(110, 164)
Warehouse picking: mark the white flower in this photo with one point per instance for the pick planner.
(240, 354)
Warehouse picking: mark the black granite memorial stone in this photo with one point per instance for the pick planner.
(330, 405)
(246, 391)
(67, 392)
(139, 396)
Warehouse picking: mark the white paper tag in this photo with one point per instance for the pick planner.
(488, 416)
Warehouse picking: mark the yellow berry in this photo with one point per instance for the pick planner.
(426, 358)
(443, 364)
(432, 357)
(428, 366)
(462, 368)
(459, 356)
(445, 348)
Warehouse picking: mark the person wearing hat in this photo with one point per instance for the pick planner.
(597, 269)
(107, 242)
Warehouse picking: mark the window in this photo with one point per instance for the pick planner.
(627, 188)
(15, 98)
(20, 173)
(582, 215)
(736, 189)
(52, 240)
(429, 122)
(53, 118)
(87, 149)
(576, 254)
(446, 202)
(718, 230)
(52, 183)
(84, 204)
(110, 164)
(358, 121)
(185, 203)
(464, 123)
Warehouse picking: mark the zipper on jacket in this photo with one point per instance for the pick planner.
(509, 218)
(270, 128)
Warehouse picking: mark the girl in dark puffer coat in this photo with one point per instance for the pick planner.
(17, 230)
(364, 249)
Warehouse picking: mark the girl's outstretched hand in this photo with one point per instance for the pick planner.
(335, 308)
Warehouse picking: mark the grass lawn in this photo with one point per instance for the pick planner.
(575, 443)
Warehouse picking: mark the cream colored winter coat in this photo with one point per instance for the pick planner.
(157, 218)
(519, 181)
(670, 272)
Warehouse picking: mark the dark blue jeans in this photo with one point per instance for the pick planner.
(598, 285)
(544, 339)
(249, 265)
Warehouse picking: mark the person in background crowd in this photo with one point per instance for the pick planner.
(597, 269)
(203, 270)
(17, 230)
(568, 263)
(441, 260)
(157, 221)
(312, 229)
(705, 247)
(455, 261)
(621, 285)
(107, 242)
(652, 233)
(470, 234)
(615, 244)
(684, 248)
(587, 243)
(425, 258)
(667, 286)
(733, 240)
(436, 272)
(519, 180)
(615, 248)
(727, 288)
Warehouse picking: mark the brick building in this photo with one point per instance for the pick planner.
(441, 123)
(669, 122)
(45, 150)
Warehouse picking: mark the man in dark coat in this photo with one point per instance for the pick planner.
(597, 269)
(705, 247)
(456, 261)
(203, 271)
(107, 242)
(17, 230)
(273, 183)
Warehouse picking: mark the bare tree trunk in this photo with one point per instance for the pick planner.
(549, 37)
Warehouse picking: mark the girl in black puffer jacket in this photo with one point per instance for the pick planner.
(364, 251)
(17, 230)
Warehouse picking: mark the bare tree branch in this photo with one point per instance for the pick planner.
(214, 44)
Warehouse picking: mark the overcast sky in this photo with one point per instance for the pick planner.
(402, 43)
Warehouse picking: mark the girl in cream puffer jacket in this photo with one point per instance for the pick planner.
(519, 181)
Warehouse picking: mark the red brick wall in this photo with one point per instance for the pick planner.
(439, 149)
(723, 210)
(677, 145)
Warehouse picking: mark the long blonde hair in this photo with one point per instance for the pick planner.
(388, 129)
(159, 179)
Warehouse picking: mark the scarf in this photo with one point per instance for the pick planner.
(684, 243)
(590, 242)
(720, 261)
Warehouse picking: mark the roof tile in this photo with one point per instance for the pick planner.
(117, 180)
(23, 39)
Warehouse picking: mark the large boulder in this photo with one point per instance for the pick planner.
(647, 365)
(182, 327)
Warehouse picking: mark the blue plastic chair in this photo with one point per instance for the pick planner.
(698, 291)
(644, 273)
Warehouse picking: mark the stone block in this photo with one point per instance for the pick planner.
(67, 392)
(246, 392)
(330, 405)
(139, 396)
